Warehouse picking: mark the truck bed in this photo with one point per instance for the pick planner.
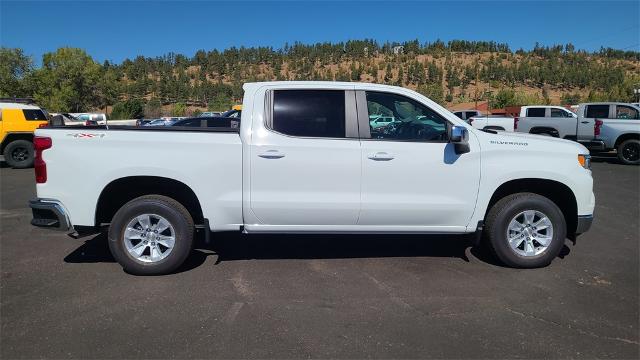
(83, 160)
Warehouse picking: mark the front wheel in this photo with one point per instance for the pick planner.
(525, 230)
(151, 235)
(629, 152)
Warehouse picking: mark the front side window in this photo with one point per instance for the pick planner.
(559, 113)
(597, 111)
(459, 114)
(471, 114)
(410, 119)
(309, 113)
(535, 112)
(34, 114)
(626, 112)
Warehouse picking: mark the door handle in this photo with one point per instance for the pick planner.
(381, 156)
(584, 122)
(271, 154)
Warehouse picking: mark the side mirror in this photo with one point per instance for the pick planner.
(459, 137)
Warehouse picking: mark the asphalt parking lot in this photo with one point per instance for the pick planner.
(323, 296)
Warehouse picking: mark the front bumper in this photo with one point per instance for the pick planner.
(49, 214)
(584, 223)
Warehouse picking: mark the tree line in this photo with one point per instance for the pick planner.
(69, 79)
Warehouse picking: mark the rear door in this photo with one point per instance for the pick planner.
(565, 121)
(624, 118)
(305, 165)
(411, 177)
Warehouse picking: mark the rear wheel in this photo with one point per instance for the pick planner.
(525, 230)
(629, 152)
(19, 154)
(151, 235)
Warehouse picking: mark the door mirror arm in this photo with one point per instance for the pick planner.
(459, 137)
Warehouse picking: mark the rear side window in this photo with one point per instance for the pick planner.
(597, 111)
(559, 113)
(535, 112)
(309, 113)
(626, 112)
(34, 114)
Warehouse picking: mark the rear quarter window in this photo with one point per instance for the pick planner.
(34, 115)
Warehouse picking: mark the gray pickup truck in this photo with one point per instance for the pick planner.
(619, 128)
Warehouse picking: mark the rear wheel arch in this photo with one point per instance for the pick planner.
(120, 191)
(494, 127)
(625, 137)
(544, 130)
(555, 191)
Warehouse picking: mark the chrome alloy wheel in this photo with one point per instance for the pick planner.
(530, 233)
(149, 238)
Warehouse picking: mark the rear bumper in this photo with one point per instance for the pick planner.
(584, 223)
(595, 144)
(49, 214)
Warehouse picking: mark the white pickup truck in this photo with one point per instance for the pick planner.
(306, 159)
(557, 121)
(492, 122)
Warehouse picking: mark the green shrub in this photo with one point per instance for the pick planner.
(129, 109)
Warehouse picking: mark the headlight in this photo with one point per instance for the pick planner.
(585, 161)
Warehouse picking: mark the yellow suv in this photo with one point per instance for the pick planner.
(18, 121)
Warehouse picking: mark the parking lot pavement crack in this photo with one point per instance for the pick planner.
(578, 330)
(389, 291)
(241, 285)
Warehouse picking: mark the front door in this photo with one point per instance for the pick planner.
(411, 176)
(305, 165)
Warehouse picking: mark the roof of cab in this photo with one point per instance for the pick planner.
(6, 105)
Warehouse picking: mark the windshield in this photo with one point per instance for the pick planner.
(232, 113)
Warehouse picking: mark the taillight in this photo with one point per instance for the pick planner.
(596, 127)
(40, 143)
(43, 125)
(515, 123)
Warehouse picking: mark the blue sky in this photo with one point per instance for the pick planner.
(112, 30)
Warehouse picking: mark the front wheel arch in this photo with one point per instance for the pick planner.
(555, 191)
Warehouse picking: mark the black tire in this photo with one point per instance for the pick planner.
(174, 212)
(629, 152)
(497, 222)
(19, 154)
